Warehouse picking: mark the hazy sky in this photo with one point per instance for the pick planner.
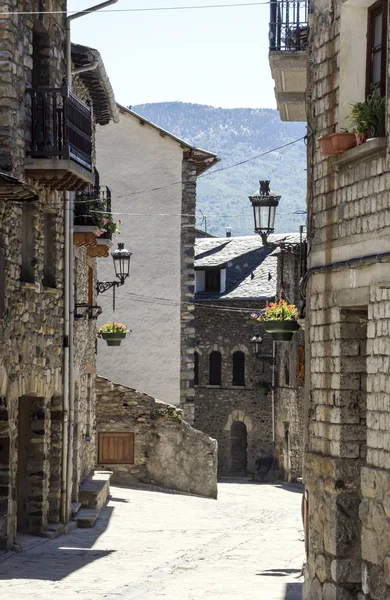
(216, 56)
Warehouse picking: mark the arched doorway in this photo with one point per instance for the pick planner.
(238, 447)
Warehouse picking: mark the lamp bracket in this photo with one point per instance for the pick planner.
(103, 286)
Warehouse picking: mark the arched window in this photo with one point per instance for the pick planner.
(215, 368)
(196, 368)
(238, 368)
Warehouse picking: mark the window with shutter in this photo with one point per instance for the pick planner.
(116, 448)
(376, 48)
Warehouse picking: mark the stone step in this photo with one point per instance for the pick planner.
(95, 490)
(54, 530)
(87, 517)
(75, 507)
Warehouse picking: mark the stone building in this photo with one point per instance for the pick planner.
(234, 277)
(155, 194)
(46, 155)
(347, 462)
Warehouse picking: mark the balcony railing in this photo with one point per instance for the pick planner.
(288, 30)
(92, 206)
(61, 126)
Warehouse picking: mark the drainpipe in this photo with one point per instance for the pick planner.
(273, 391)
(68, 402)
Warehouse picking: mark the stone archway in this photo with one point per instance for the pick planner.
(238, 448)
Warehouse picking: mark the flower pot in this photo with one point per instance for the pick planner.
(281, 331)
(326, 145)
(342, 141)
(113, 338)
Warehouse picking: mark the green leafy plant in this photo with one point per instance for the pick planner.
(108, 225)
(113, 327)
(368, 118)
(277, 311)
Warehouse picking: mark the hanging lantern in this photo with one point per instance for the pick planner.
(264, 203)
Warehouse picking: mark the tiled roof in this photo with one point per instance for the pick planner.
(217, 252)
(251, 268)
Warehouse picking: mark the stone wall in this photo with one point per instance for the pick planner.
(290, 374)
(187, 329)
(218, 407)
(16, 74)
(346, 463)
(167, 451)
(31, 327)
(84, 444)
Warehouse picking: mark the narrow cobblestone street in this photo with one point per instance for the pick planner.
(247, 545)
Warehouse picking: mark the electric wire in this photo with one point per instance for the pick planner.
(132, 10)
(162, 187)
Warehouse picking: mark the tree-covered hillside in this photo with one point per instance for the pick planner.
(236, 135)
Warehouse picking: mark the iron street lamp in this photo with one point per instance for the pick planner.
(264, 203)
(256, 341)
(121, 258)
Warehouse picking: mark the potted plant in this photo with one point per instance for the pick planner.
(108, 227)
(326, 145)
(113, 333)
(280, 319)
(335, 143)
(368, 119)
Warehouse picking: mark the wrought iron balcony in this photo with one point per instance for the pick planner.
(288, 30)
(93, 220)
(60, 153)
(92, 206)
(288, 39)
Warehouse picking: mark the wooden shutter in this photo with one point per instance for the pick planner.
(116, 448)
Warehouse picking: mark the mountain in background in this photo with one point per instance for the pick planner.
(236, 135)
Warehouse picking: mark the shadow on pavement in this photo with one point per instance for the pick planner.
(293, 591)
(54, 560)
(290, 487)
(279, 572)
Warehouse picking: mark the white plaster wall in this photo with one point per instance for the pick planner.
(131, 158)
(353, 52)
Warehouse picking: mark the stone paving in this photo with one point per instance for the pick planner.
(247, 545)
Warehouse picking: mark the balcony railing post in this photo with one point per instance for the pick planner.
(272, 25)
(65, 151)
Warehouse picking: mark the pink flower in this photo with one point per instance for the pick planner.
(119, 221)
(105, 221)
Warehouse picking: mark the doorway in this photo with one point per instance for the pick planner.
(239, 444)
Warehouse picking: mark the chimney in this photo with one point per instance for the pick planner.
(228, 232)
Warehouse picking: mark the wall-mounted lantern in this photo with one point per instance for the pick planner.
(121, 258)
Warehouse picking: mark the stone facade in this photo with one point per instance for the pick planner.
(347, 395)
(34, 418)
(247, 423)
(167, 451)
(217, 407)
